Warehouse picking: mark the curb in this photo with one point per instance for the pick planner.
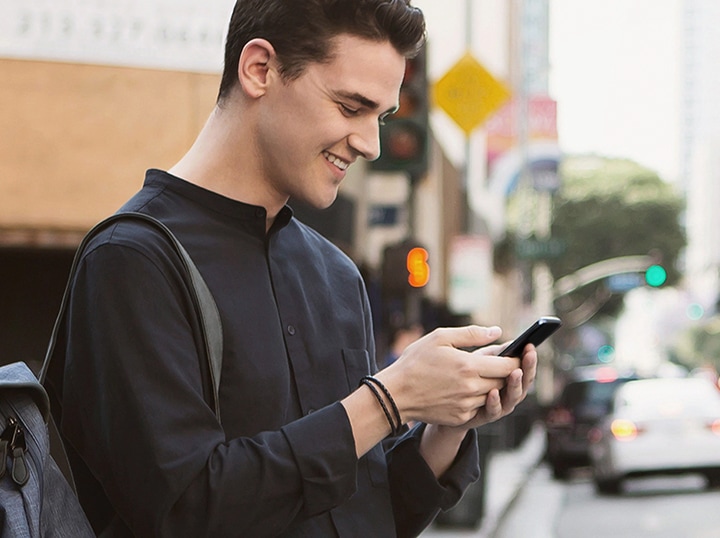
(507, 473)
(515, 466)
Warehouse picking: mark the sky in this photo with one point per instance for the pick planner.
(614, 71)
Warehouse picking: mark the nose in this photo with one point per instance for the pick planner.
(365, 140)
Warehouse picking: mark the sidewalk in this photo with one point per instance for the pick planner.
(508, 471)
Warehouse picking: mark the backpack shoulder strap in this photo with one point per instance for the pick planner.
(204, 302)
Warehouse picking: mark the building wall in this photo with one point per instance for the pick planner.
(700, 144)
(77, 140)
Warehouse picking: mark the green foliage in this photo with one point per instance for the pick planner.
(613, 207)
(700, 346)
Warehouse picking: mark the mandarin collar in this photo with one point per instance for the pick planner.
(249, 215)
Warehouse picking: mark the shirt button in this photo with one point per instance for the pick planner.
(260, 213)
(291, 330)
(310, 411)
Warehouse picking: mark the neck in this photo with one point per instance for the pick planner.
(222, 160)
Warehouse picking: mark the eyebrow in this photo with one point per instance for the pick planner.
(365, 101)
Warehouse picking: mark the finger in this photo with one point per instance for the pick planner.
(487, 384)
(493, 405)
(514, 392)
(469, 336)
(493, 366)
(493, 349)
(529, 367)
(515, 380)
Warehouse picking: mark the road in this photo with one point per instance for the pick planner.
(662, 507)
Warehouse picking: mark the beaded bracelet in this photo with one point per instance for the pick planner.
(396, 427)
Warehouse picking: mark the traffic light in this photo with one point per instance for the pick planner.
(404, 137)
(404, 267)
(655, 275)
(417, 266)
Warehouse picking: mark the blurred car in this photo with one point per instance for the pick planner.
(658, 426)
(583, 401)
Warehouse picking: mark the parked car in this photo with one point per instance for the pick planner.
(658, 426)
(583, 401)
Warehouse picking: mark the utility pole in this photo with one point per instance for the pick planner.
(467, 210)
(531, 79)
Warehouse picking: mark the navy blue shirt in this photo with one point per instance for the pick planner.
(149, 455)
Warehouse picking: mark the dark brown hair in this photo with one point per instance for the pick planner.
(301, 31)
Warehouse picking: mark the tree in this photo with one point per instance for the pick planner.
(699, 345)
(608, 208)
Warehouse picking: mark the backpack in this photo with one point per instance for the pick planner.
(36, 500)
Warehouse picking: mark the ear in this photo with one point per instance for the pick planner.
(255, 68)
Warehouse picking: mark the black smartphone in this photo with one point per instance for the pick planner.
(535, 334)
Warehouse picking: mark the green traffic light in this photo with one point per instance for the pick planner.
(655, 275)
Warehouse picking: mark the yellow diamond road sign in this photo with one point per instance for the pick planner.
(469, 94)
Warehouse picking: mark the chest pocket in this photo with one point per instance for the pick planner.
(357, 365)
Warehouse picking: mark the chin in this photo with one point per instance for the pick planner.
(326, 204)
(322, 201)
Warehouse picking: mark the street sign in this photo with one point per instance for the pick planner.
(182, 35)
(469, 94)
(622, 282)
(540, 249)
(383, 215)
(470, 271)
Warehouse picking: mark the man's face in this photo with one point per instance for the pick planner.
(312, 128)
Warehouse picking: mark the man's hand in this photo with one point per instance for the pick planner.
(502, 402)
(436, 382)
(453, 391)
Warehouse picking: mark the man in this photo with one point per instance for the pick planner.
(300, 451)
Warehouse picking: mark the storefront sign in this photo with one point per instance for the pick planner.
(185, 35)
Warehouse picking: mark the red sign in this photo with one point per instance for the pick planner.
(502, 128)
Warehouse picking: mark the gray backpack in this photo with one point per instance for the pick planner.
(36, 500)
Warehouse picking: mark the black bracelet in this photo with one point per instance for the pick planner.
(382, 403)
(396, 411)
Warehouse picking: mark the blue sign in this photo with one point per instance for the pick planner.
(383, 215)
(624, 282)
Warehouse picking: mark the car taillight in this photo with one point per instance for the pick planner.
(606, 375)
(560, 416)
(624, 430)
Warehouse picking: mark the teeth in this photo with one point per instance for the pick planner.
(342, 165)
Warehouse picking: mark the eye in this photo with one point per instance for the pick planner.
(349, 111)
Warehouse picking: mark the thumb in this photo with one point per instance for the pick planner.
(470, 336)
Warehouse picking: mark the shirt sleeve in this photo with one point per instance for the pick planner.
(134, 410)
(417, 495)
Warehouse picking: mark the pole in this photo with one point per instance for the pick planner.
(467, 219)
(542, 281)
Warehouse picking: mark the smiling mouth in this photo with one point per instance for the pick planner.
(337, 161)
